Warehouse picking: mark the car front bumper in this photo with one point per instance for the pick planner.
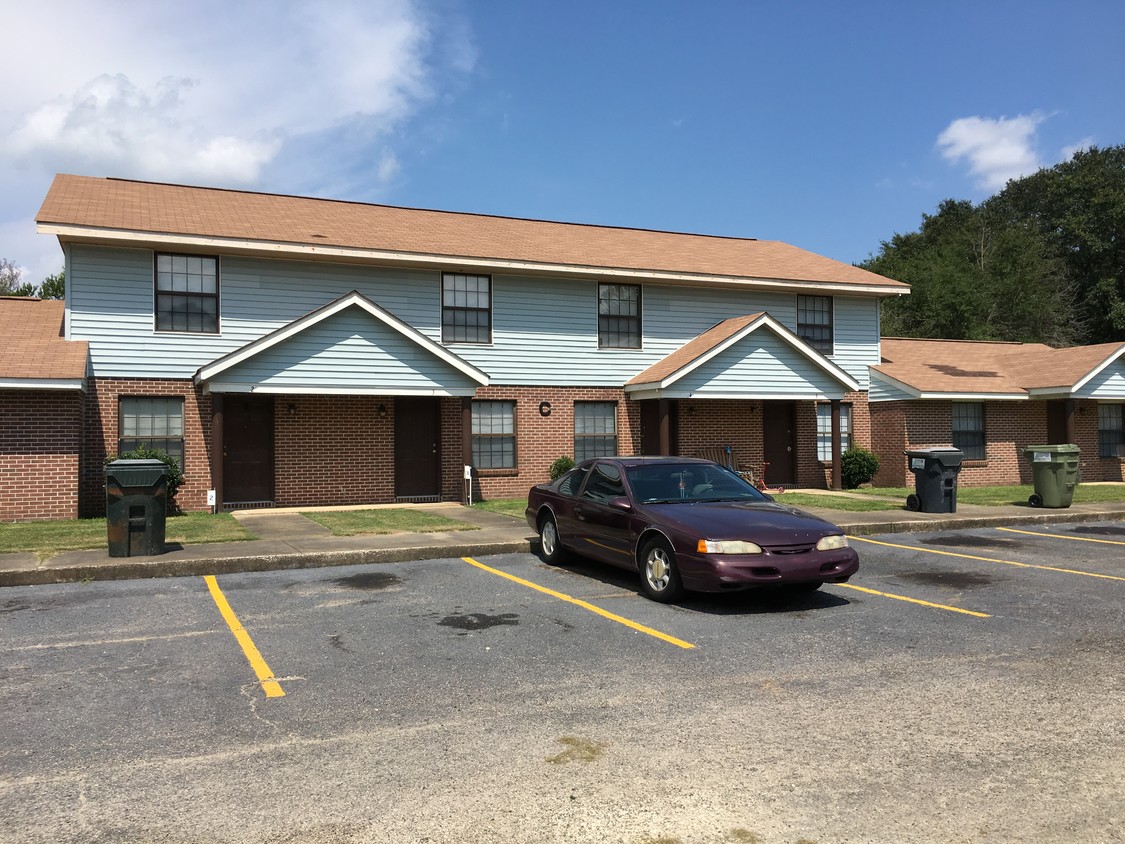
(729, 572)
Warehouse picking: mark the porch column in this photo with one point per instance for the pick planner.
(1071, 421)
(217, 450)
(664, 411)
(466, 443)
(836, 481)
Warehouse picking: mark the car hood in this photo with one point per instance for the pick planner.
(759, 521)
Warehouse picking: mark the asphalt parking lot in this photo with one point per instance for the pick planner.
(966, 686)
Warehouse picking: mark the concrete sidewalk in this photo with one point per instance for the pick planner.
(287, 540)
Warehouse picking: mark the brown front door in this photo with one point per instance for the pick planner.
(650, 426)
(1056, 422)
(417, 448)
(779, 428)
(247, 449)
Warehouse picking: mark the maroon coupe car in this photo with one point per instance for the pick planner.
(685, 524)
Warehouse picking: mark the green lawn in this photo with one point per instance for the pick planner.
(1083, 493)
(390, 520)
(835, 502)
(506, 506)
(48, 538)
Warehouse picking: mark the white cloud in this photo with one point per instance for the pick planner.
(1068, 152)
(285, 95)
(996, 149)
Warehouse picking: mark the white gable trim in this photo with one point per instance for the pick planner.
(1097, 370)
(799, 345)
(354, 299)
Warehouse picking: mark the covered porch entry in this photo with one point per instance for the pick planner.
(748, 383)
(346, 405)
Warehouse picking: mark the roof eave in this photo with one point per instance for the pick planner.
(70, 233)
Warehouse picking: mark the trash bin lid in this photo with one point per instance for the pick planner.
(944, 455)
(136, 472)
(1050, 453)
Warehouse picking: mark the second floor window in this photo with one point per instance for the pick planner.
(814, 322)
(619, 316)
(466, 308)
(968, 429)
(187, 293)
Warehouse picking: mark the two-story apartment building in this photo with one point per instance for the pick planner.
(298, 351)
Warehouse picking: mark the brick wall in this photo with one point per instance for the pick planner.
(101, 437)
(40, 451)
(540, 440)
(1010, 426)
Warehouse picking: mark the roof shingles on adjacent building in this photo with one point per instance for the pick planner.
(34, 352)
(95, 209)
(967, 367)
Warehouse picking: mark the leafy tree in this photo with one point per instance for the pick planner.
(1078, 207)
(10, 276)
(53, 286)
(977, 275)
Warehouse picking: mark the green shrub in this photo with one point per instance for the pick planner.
(857, 466)
(175, 474)
(561, 466)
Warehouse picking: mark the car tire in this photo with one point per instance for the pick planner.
(550, 546)
(660, 577)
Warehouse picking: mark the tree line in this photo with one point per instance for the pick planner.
(12, 283)
(1042, 261)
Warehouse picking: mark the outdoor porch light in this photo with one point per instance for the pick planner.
(381, 411)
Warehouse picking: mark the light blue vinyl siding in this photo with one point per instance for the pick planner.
(545, 330)
(350, 350)
(882, 391)
(1107, 384)
(761, 364)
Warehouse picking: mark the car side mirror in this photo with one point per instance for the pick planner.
(621, 503)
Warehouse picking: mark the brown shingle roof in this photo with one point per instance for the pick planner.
(964, 366)
(147, 207)
(33, 346)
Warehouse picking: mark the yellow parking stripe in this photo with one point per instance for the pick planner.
(269, 684)
(672, 640)
(912, 600)
(1060, 536)
(986, 559)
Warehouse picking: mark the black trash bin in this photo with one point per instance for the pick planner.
(136, 505)
(935, 479)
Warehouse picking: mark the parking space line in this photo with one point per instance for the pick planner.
(271, 687)
(987, 559)
(672, 640)
(912, 600)
(1060, 536)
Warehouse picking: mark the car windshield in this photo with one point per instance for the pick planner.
(668, 482)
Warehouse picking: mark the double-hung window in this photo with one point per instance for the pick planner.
(814, 322)
(968, 429)
(151, 422)
(494, 434)
(1111, 430)
(595, 429)
(619, 316)
(466, 308)
(187, 293)
(824, 430)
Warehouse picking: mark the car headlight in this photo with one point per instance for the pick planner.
(727, 546)
(832, 543)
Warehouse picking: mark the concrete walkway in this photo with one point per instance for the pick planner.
(287, 540)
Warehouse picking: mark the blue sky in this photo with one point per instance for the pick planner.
(826, 125)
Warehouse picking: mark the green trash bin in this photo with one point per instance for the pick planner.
(136, 506)
(1054, 472)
